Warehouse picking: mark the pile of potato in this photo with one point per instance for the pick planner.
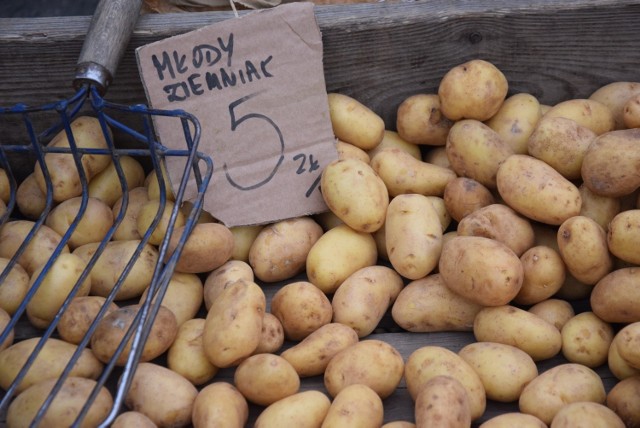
(481, 213)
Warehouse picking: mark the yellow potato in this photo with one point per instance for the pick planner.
(364, 297)
(602, 209)
(223, 276)
(106, 185)
(586, 112)
(443, 401)
(631, 112)
(623, 236)
(560, 385)
(328, 220)
(14, 287)
(243, 237)
(420, 121)
(355, 193)
(392, 140)
(186, 354)
(346, 151)
(337, 254)
(586, 340)
(272, 337)
(128, 228)
(207, 248)
(152, 210)
(113, 327)
(616, 297)
(618, 365)
(544, 275)
(622, 399)
(516, 327)
(78, 316)
(516, 119)
(49, 364)
(264, 379)
(627, 340)
(280, 250)
(355, 123)
(164, 409)
(554, 311)
(437, 156)
(464, 195)
(302, 308)
(399, 424)
(29, 198)
(5, 187)
(303, 409)
(614, 95)
(220, 405)
(370, 362)
(355, 406)
(402, 173)
(311, 356)
(513, 419)
(239, 309)
(5, 318)
(428, 305)
(65, 406)
(482, 270)
(413, 235)
(473, 90)
(504, 369)
(63, 174)
(441, 210)
(430, 361)
(587, 413)
(95, 220)
(133, 419)
(536, 190)
(476, 151)
(152, 183)
(183, 296)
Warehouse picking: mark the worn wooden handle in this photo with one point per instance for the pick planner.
(108, 36)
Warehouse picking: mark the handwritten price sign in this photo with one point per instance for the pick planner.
(256, 85)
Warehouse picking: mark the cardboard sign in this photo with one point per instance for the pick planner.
(256, 84)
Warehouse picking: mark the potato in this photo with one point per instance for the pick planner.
(380, 238)
(186, 354)
(128, 228)
(14, 287)
(516, 327)
(589, 113)
(627, 340)
(370, 362)
(560, 385)
(616, 297)
(353, 122)
(355, 406)
(221, 277)
(504, 369)
(442, 402)
(49, 364)
(430, 361)
(583, 247)
(239, 308)
(112, 263)
(399, 424)
(464, 195)
(623, 236)
(337, 254)
(302, 308)
(112, 328)
(133, 419)
(243, 237)
(78, 316)
(544, 274)
(5, 187)
(609, 166)
(561, 143)
(208, 247)
(272, 337)
(303, 409)
(513, 419)
(65, 406)
(473, 90)
(61, 167)
(152, 183)
(29, 198)
(220, 405)
(516, 119)
(413, 235)
(586, 340)
(355, 193)
(402, 173)
(499, 222)
(428, 305)
(393, 140)
(164, 410)
(280, 250)
(437, 156)
(631, 112)
(476, 151)
(56, 285)
(5, 318)
(615, 95)
(555, 311)
(482, 270)
(622, 399)
(106, 185)
(40, 247)
(346, 151)
(587, 413)
(264, 379)
(152, 210)
(183, 296)
(602, 209)
(441, 210)
(311, 356)
(364, 297)
(618, 365)
(536, 190)
(420, 121)
(94, 224)
(328, 220)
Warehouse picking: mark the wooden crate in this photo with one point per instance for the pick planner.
(379, 54)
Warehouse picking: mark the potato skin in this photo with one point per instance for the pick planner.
(94, 224)
(614, 95)
(443, 402)
(616, 297)
(602, 209)
(513, 419)
(544, 275)
(627, 340)
(128, 227)
(5, 318)
(14, 287)
(264, 379)
(464, 195)
(353, 122)
(208, 247)
(516, 120)
(355, 406)
(106, 186)
(302, 308)
(586, 112)
(186, 354)
(555, 311)
(183, 296)
(220, 405)
(622, 399)
(79, 315)
(133, 419)
(303, 409)
(586, 340)
(624, 234)
(579, 414)
(420, 121)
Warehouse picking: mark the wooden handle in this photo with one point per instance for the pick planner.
(108, 36)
